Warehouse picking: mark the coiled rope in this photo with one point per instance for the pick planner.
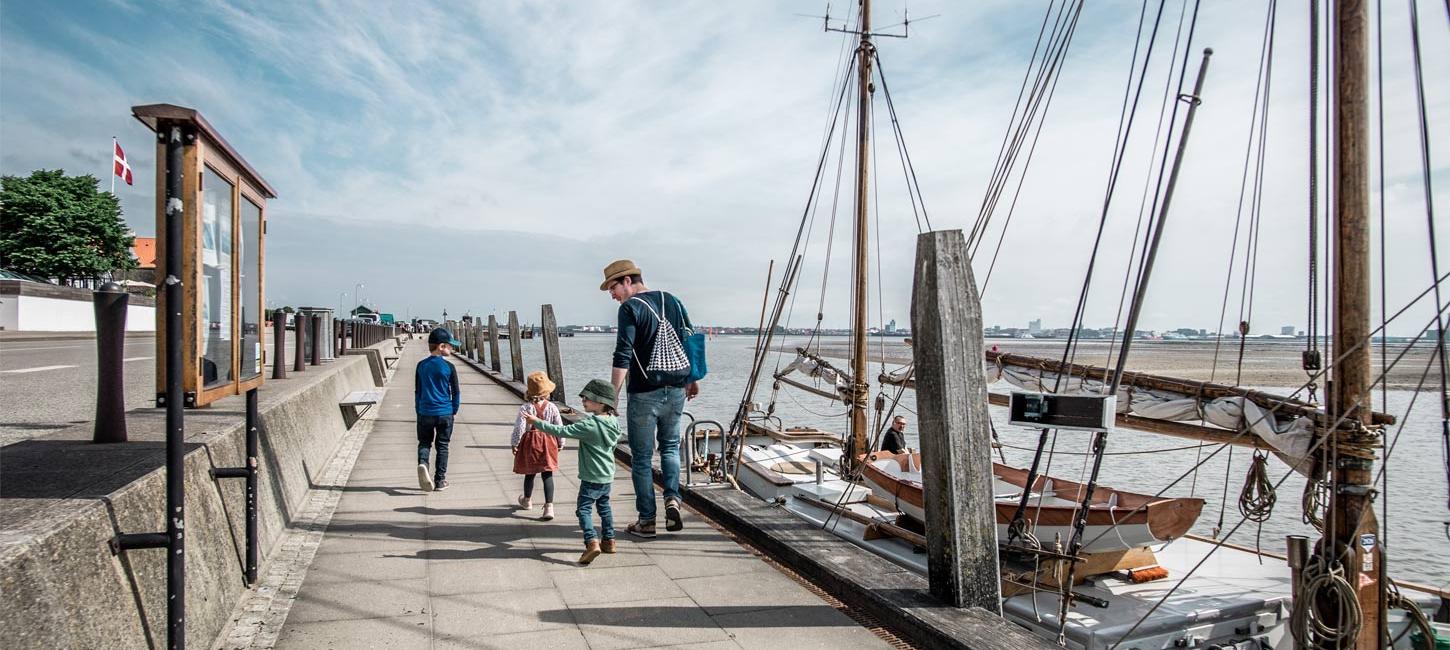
(1256, 500)
(1325, 596)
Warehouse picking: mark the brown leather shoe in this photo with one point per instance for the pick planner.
(591, 551)
(607, 546)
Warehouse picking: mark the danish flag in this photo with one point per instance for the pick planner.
(121, 167)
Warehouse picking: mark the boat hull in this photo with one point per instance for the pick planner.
(1117, 520)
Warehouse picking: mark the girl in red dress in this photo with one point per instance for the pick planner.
(536, 452)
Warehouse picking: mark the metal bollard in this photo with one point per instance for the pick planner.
(299, 358)
(315, 339)
(279, 345)
(109, 303)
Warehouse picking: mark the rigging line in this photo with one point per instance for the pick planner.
(1022, 177)
(1146, 267)
(1111, 453)
(1119, 155)
(1251, 255)
(900, 146)
(1259, 88)
(831, 233)
(1430, 223)
(909, 167)
(808, 215)
(1218, 544)
(1313, 325)
(1125, 127)
(1160, 200)
(1320, 442)
(1143, 204)
(1016, 105)
(880, 282)
(1045, 70)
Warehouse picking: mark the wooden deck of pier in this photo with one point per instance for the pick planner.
(400, 568)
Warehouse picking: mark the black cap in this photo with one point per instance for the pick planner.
(439, 336)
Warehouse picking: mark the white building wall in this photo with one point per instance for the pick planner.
(40, 314)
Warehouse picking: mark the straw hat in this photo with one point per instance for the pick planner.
(616, 270)
(539, 385)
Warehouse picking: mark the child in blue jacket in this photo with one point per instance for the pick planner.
(436, 401)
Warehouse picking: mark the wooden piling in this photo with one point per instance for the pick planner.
(956, 434)
(516, 347)
(552, 362)
(493, 344)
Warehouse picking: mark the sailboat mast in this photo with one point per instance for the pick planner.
(1351, 502)
(859, 300)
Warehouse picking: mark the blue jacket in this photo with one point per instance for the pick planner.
(436, 391)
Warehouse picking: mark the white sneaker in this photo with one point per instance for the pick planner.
(425, 480)
(548, 512)
(525, 502)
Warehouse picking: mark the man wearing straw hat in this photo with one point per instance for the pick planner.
(656, 397)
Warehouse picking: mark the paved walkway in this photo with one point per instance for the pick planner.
(400, 568)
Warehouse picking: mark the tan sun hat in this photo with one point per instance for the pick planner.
(539, 385)
(616, 270)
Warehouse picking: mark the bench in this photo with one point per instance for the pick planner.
(356, 403)
(389, 361)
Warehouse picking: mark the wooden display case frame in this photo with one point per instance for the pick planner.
(204, 149)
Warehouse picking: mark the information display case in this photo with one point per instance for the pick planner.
(223, 260)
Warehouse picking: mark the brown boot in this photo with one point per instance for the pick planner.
(591, 551)
(607, 545)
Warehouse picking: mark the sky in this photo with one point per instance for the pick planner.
(486, 157)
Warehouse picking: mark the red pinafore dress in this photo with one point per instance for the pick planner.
(538, 451)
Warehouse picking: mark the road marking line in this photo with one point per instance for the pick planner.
(137, 358)
(39, 369)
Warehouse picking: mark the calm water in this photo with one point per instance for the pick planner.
(1415, 534)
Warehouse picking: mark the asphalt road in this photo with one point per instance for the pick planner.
(50, 385)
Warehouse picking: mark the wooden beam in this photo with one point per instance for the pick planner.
(516, 347)
(493, 361)
(552, 362)
(1187, 387)
(956, 429)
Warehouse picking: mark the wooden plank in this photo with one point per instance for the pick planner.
(553, 364)
(956, 430)
(493, 360)
(1186, 387)
(516, 349)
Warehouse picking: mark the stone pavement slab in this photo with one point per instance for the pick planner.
(465, 568)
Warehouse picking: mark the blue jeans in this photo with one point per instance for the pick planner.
(435, 430)
(654, 417)
(592, 496)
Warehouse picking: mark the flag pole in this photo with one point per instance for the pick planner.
(114, 142)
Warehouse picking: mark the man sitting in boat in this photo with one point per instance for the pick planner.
(893, 439)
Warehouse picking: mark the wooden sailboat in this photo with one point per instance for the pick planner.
(876, 500)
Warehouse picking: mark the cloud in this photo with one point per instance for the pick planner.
(498, 155)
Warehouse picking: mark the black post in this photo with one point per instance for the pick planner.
(493, 361)
(315, 339)
(279, 344)
(109, 304)
(252, 452)
(552, 362)
(175, 428)
(299, 333)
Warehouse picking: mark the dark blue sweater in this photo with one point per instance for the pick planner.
(436, 391)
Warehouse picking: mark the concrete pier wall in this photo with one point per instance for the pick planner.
(64, 498)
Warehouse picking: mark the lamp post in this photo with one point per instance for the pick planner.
(355, 289)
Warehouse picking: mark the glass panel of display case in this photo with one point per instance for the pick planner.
(215, 293)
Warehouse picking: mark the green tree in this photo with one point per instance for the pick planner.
(59, 226)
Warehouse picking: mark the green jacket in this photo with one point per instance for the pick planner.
(597, 436)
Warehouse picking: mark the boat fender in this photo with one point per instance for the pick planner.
(1147, 574)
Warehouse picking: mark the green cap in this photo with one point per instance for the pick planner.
(598, 390)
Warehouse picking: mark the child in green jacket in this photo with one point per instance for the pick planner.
(597, 436)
